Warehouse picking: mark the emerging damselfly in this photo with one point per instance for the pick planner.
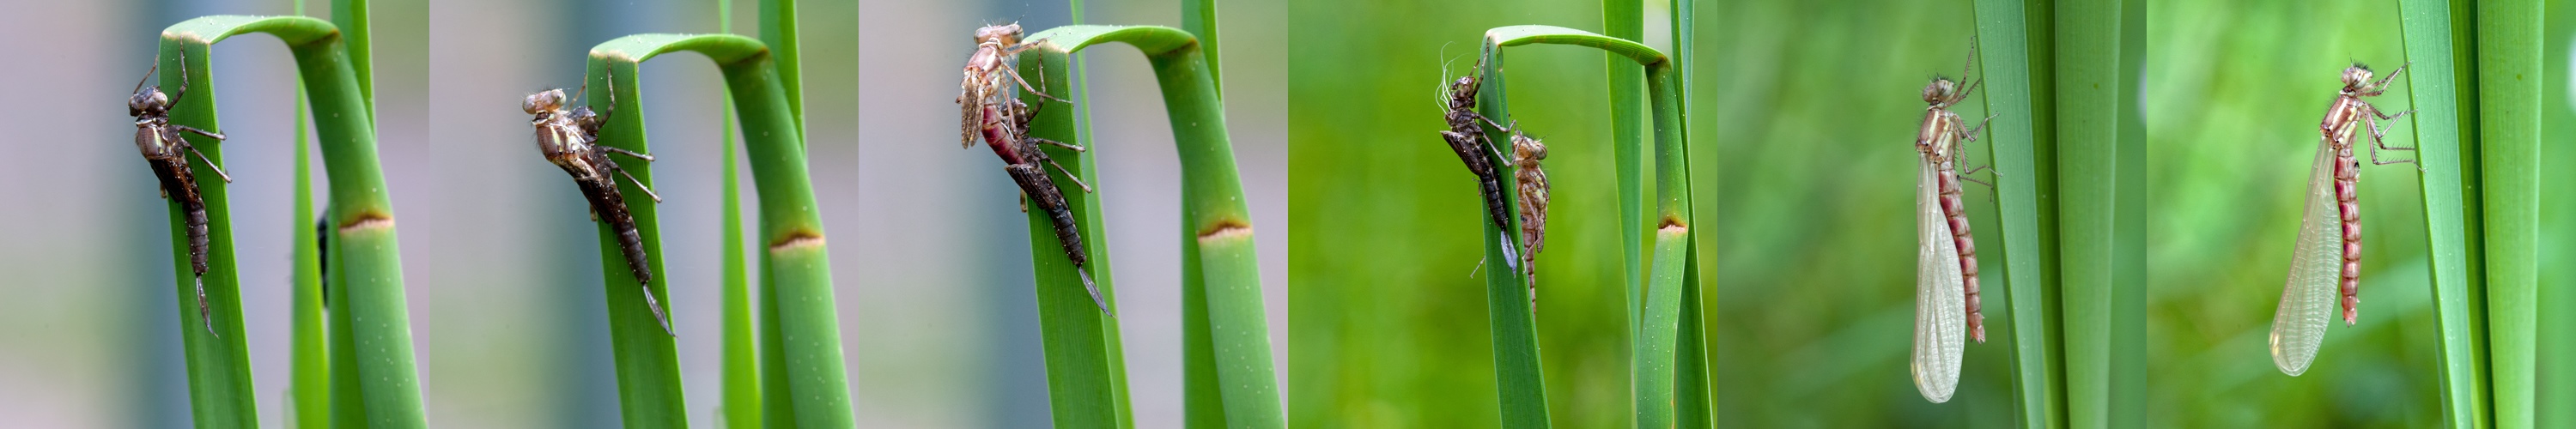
(982, 88)
(568, 137)
(168, 151)
(1945, 290)
(2328, 257)
(1003, 121)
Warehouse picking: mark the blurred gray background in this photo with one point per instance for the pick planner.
(936, 310)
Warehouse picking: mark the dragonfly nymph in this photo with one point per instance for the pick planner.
(1466, 136)
(167, 151)
(1946, 268)
(569, 138)
(1003, 121)
(2328, 259)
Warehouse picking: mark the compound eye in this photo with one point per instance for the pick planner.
(542, 101)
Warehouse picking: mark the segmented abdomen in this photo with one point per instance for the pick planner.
(610, 204)
(1953, 209)
(2347, 178)
(180, 184)
(1043, 193)
(1468, 141)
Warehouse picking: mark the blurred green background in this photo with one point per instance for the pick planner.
(2233, 100)
(2234, 91)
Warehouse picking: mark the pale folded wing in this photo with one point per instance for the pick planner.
(1940, 313)
(2308, 299)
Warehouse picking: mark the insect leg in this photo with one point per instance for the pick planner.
(2374, 110)
(1971, 134)
(208, 134)
(183, 80)
(1075, 148)
(147, 77)
(2378, 142)
(1964, 66)
(639, 184)
(210, 163)
(1024, 83)
(1513, 129)
(2381, 86)
(637, 155)
(1068, 173)
(577, 94)
(1964, 176)
(611, 111)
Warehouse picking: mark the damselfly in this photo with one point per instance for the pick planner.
(1945, 289)
(985, 70)
(2328, 257)
(568, 138)
(168, 151)
(1004, 124)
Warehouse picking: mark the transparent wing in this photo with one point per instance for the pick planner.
(1940, 319)
(2300, 324)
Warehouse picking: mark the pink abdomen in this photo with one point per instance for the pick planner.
(2350, 211)
(1952, 208)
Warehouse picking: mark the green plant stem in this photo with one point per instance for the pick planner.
(1654, 372)
(778, 30)
(741, 361)
(1626, 19)
(2097, 243)
(742, 407)
(796, 273)
(1203, 398)
(220, 393)
(2508, 90)
(1694, 402)
(310, 356)
(648, 363)
(2014, 92)
(2129, 227)
(1218, 243)
(1518, 375)
(1199, 18)
(309, 344)
(379, 334)
(2443, 132)
(351, 17)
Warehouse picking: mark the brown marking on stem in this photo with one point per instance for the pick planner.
(796, 240)
(1672, 226)
(367, 220)
(1225, 229)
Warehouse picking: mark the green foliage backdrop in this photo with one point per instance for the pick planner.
(2233, 98)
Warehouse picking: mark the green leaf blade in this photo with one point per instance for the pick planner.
(2508, 94)
(1221, 274)
(806, 374)
(2441, 124)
